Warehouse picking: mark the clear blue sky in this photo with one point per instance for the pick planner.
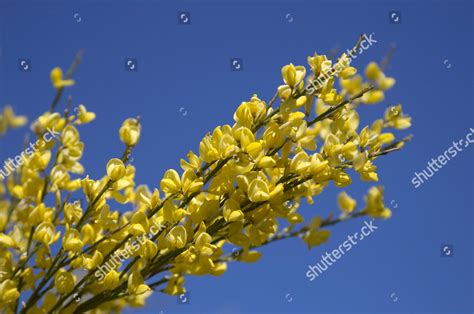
(186, 69)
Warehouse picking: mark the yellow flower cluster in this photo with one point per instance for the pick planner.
(242, 190)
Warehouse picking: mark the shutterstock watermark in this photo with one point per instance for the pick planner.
(329, 259)
(12, 164)
(443, 159)
(121, 255)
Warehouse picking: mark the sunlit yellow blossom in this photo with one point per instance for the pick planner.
(316, 236)
(136, 284)
(375, 203)
(83, 115)
(57, 79)
(8, 119)
(130, 132)
(345, 202)
(8, 292)
(111, 280)
(64, 281)
(115, 169)
(245, 187)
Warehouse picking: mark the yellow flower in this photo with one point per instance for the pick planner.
(250, 256)
(6, 241)
(139, 224)
(44, 233)
(395, 118)
(258, 191)
(64, 281)
(232, 211)
(374, 73)
(193, 164)
(72, 241)
(84, 116)
(72, 212)
(115, 169)
(8, 119)
(8, 292)
(94, 261)
(373, 97)
(189, 183)
(293, 75)
(375, 203)
(136, 284)
(57, 79)
(175, 285)
(346, 203)
(111, 280)
(148, 250)
(130, 132)
(177, 237)
(315, 62)
(316, 236)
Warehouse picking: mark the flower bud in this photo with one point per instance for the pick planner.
(130, 132)
(115, 169)
(64, 282)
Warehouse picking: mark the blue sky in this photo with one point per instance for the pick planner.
(184, 87)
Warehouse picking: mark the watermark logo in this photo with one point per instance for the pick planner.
(447, 64)
(447, 250)
(394, 297)
(77, 18)
(24, 65)
(184, 298)
(184, 18)
(131, 65)
(395, 17)
(289, 18)
(183, 111)
(236, 64)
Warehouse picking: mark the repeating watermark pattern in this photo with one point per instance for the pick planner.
(121, 255)
(24, 65)
(12, 164)
(131, 65)
(289, 18)
(329, 259)
(183, 111)
(184, 298)
(77, 18)
(236, 64)
(447, 250)
(184, 18)
(394, 297)
(436, 164)
(395, 17)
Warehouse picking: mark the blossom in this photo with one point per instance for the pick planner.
(246, 186)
